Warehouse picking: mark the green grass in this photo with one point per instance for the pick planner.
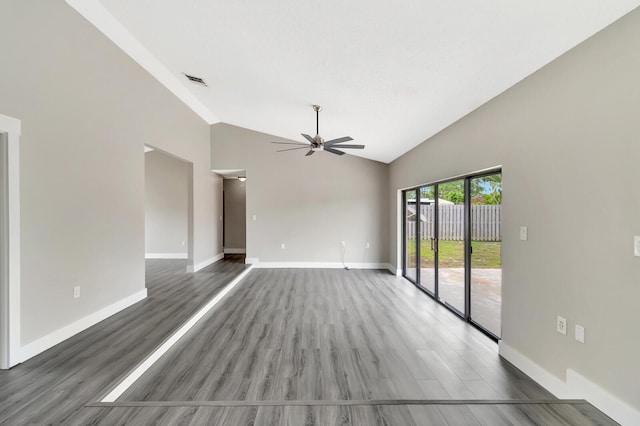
(485, 254)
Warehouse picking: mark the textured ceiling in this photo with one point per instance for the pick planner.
(390, 75)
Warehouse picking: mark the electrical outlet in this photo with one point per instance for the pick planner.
(636, 246)
(282, 246)
(580, 333)
(367, 246)
(562, 325)
(343, 244)
(76, 292)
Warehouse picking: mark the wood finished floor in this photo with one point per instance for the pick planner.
(282, 335)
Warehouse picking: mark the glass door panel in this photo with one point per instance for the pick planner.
(427, 221)
(410, 231)
(450, 244)
(486, 247)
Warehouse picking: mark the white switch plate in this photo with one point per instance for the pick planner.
(580, 333)
(523, 233)
(76, 292)
(255, 217)
(367, 246)
(636, 246)
(282, 246)
(343, 244)
(561, 325)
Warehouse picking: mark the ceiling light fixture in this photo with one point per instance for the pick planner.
(242, 178)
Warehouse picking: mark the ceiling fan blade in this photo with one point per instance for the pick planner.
(309, 153)
(333, 151)
(348, 146)
(335, 141)
(291, 143)
(309, 138)
(291, 149)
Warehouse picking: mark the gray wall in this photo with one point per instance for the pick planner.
(87, 110)
(309, 203)
(235, 220)
(568, 138)
(166, 204)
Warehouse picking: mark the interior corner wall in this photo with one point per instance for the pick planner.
(310, 204)
(235, 211)
(87, 110)
(166, 205)
(568, 140)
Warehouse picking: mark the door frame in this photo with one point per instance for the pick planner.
(10, 282)
(466, 315)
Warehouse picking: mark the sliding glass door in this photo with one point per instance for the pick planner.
(427, 220)
(452, 246)
(411, 240)
(486, 252)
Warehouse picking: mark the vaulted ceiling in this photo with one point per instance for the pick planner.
(389, 74)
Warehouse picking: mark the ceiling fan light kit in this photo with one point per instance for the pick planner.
(317, 143)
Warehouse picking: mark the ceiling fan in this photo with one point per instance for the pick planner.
(317, 143)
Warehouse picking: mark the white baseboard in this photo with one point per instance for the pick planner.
(235, 250)
(324, 265)
(251, 260)
(34, 348)
(576, 386)
(205, 263)
(165, 256)
(608, 403)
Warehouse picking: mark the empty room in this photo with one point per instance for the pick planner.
(224, 213)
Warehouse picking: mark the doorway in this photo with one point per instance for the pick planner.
(234, 217)
(452, 241)
(168, 208)
(4, 251)
(9, 241)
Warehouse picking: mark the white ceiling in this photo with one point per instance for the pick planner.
(390, 75)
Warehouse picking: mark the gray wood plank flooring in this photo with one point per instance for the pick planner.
(52, 386)
(283, 336)
(330, 334)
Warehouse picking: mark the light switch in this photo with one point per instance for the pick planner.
(255, 217)
(580, 333)
(636, 246)
(523, 233)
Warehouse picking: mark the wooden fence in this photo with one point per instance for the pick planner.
(486, 222)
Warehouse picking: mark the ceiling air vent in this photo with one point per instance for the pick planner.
(196, 80)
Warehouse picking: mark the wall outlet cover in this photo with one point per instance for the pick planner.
(561, 325)
(524, 233)
(636, 245)
(579, 333)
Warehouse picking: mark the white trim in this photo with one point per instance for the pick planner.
(60, 335)
(166, 256)
(550, 382)
(325, 265)
(235, 250)
(608, 403)
(12, 127)
(94, 12)
(251, 260)
(576, 386)
(204, 263)
(135, 374)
